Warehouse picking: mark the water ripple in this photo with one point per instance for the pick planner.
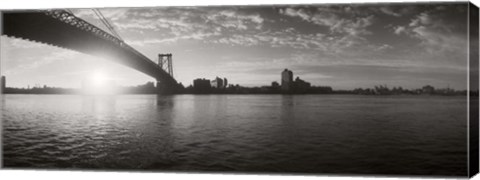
(321, 134)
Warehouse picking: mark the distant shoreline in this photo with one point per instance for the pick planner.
(149, 88)
(286, 94)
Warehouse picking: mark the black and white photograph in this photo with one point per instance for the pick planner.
(352, 89)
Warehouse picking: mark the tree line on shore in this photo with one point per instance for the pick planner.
(425, 90)
(149, 88)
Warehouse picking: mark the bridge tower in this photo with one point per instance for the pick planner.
(165, 62)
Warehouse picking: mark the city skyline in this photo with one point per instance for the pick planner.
(342, 46)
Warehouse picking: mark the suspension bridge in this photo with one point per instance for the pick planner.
(63, 29)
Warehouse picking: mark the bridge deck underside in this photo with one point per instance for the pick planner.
(40, 27)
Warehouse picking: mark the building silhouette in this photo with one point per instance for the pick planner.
(219, 83)
(301, 86)
(428, 89)
(225, 83)
(275, 85)
(287, 80)
(201, 86)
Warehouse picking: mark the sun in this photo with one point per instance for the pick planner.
(98, 78)
(98, 82)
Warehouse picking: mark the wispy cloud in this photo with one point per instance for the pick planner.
(389, 11)
(399, 30)
(232, 19)
(194, 36)
(332, 20)
(435, 35)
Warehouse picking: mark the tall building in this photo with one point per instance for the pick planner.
(287, 80)
(3, 83)
(217, 83)
(225, 83)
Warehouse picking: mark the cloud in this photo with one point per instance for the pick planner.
(435, 41)
(241, 28)
(384, 47)
(436, 36)
(237, 39)
(333, 19)
(188, 20)
(194, 36)
(111, 14)
(234, 19)
(347, 26)
(296, 13)
(387, 10)
(421, 19)
(287, 38)
(354, 27)
(140, 24)
(399, 30)
(179, 23)
(425, 19)
(174, 26)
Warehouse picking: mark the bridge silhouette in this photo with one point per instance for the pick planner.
(63, 29)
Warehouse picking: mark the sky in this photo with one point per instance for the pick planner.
(342, 46)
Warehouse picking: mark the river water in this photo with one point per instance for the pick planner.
(348, 134)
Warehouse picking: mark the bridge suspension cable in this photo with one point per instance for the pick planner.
(107, 23)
